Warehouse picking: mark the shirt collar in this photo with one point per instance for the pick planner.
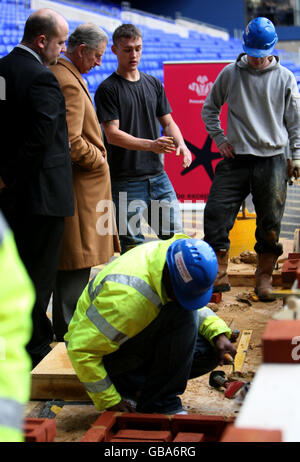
(67, 59)
(24, 47)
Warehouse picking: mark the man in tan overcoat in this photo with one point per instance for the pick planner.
(90, 237)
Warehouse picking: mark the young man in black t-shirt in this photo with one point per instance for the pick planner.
(132, 106)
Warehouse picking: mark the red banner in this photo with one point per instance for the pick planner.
(187, 85)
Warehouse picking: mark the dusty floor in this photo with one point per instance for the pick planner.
(199, 397)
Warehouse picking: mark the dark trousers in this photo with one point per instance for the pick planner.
(68, 288)
(154, 366)
(38, 239)
(266, 179)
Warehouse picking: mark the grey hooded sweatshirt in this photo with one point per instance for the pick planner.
(263, 109)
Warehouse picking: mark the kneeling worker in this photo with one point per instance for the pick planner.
(141, 328)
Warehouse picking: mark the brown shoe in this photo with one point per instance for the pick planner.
(221, 283)
(265, 267)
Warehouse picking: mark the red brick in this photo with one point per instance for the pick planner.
(294, 256)
(144, 421)
(277, 341)
(216, 297)
(93, 435)
(289, 271)
(185, 437)
(144, 435)
(111, 422)
(39, 430)
(106, 420)
(211, 426)
(250, 435)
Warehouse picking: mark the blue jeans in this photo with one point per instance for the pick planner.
(153, 199)
(266, 179)
(154, 366)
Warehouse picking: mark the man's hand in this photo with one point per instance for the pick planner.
(226, 150)
(223, 345)
(187, 156)
(122, 406)
(293, 168)
(164, 144)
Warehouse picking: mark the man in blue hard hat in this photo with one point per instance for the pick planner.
(141, 328)
(263, 117)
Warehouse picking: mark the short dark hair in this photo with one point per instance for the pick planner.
(126, 31)
(40, 24)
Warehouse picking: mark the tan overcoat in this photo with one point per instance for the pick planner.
(90, 236)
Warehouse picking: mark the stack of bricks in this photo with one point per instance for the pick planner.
(118, 427)
(39, 430)
(124, 428)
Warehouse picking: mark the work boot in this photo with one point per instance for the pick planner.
(265, 267)
(221, 283)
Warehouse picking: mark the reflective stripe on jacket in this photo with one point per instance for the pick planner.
(121, 301)
(16, 302)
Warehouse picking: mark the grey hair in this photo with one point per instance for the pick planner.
(88, 34)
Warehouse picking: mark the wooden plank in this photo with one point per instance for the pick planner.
(243, 275)
(248, 280)
(55, 378)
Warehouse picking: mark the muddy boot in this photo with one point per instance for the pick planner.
(221, 283)
(265, 266)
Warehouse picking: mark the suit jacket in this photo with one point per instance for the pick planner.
(35, 165)
(87, 241)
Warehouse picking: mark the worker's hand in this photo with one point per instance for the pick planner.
(122, 406)
(187, 156)
(293, 168)
(164, 144)
(226, 150)
(223, 346)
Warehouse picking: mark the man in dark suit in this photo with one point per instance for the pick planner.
(35, 167)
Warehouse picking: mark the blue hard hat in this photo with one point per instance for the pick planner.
(259, 38)
(193, 268)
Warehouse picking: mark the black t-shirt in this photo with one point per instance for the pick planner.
(136, 105)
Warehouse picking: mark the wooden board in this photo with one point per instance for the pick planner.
(243, 275)
(55, 378)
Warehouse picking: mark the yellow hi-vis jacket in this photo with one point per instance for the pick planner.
(16, 302)
(121, 301)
